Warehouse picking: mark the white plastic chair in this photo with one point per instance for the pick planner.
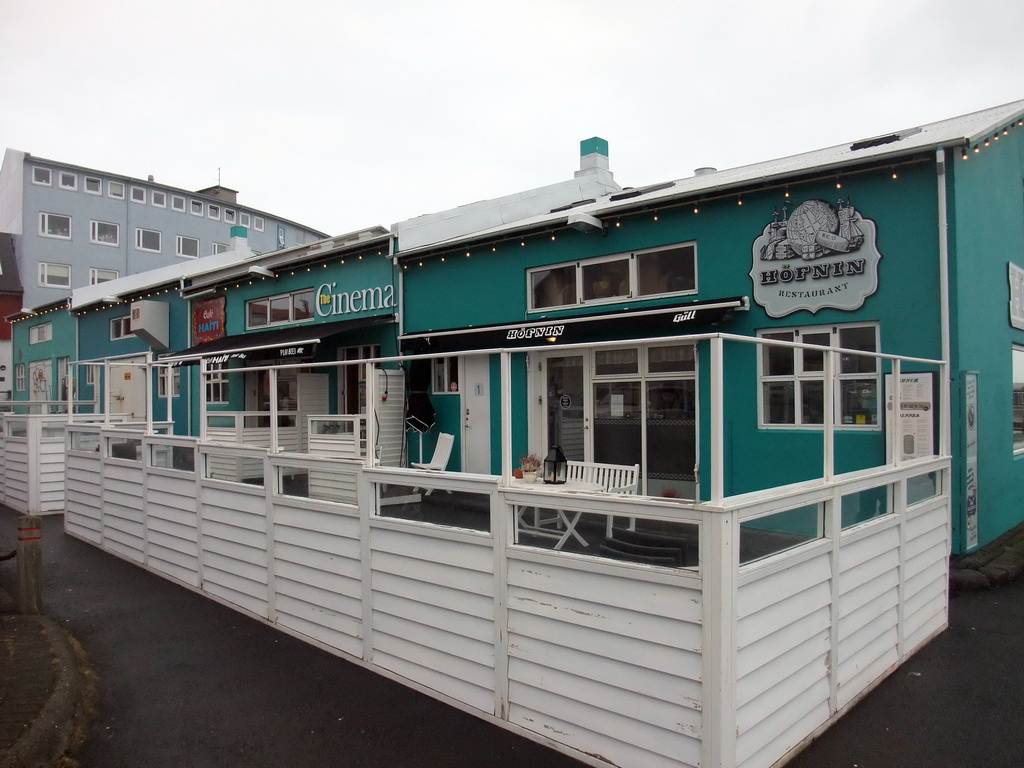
(439, 461)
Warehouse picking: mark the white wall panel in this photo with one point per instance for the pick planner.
(83, 497)
(607, 657)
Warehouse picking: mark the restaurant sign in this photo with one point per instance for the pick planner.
(208, 320)
(818, 256)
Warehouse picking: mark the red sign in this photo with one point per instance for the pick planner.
(208, 319)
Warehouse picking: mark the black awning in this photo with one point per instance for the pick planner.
(289, 344)
(621, 324)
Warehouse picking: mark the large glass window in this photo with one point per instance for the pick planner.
(120, 327)
(97, 275)
(654, 272)
(147, 240)
(1018, 399)
(104, 233)
(55, 275)
(40, 333)
(793, 378)
(42, 176)
(188, 247)
(55, 225)
(281, 309)
(217, 383)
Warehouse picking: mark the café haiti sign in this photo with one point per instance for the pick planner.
(819, 256)
(330, 301)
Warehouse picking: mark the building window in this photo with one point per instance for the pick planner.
(93, 186)
(664, 271)
(220, 248)
(19, 377)
(68, 180)
(102, 275)
(1018, 399)
(115, 189)
(147, 240)
(55, 225)
(169, 374)
(213, 211)
(177, 203)
(90, 375)
(157, 198)
(139, 195)
(792, 379)
(42, 176)
(63, 368)
(196, 207)
(257, 223)
(104, 233)
(446, 375)
(55, 275)
(279, 310)
(120, 327)
(243, 219)
(188, 247)
(217, 383)
(37, 334)
(229, 216)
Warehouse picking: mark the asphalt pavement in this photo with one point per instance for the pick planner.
(184, 681)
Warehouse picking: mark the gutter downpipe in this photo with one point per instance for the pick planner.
(944, 310)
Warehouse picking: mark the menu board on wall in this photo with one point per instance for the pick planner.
(971, 455)
(915, 435)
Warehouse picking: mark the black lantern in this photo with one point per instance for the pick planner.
(555, 466)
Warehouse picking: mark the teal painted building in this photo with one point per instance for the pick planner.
(44, 343)
(908, 244)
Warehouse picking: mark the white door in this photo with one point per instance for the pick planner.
(128, 387)
(476, 414)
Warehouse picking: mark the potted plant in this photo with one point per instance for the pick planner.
(530, 464)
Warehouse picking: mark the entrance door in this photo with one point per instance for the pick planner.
(627, 406)
(565, 408)
(476, 412)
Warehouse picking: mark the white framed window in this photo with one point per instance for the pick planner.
(217, 383)
(104, 233)
(213, 211)
(446, 375)
(55, 225)
(284, 308)
(93, 185)
(177, 203)
(37, 334)
(243, 219)
(139, 195)
(147, 240)
(115, 189)
(63, 368)
(171, 375)
(42, 176)
(219, 248)
(19, 377)
(158, 198)
(792, 379)
(257, 223)
(68, 180)
(196, 207)
(97, 275)
(229, 216)
(649, 273)
(1017, 355)
(120, 327)
(90, 375)
(187, 247)
(54, 275)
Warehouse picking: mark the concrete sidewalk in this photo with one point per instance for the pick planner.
(45, 683)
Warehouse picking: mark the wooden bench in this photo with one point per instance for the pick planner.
(613, 478)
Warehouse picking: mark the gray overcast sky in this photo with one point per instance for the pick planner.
(341, 114)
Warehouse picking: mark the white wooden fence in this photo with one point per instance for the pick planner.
(724, 664)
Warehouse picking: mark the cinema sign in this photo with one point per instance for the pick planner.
(331, 302)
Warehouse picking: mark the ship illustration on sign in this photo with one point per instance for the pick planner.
(819, 255)
(814, 230)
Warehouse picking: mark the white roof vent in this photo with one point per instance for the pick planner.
(704, 171)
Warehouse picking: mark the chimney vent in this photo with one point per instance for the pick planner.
(704, 171)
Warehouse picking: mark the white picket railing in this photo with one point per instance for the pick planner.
(732, 662)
